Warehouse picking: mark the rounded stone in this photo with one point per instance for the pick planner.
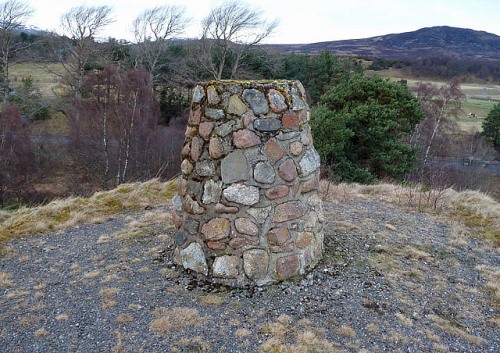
(215, 148)
(196, 148)
(186, 167)
(246, 226)
(296, 148)
(256, 100)
(225, 267)
(287, 170)
(216, 229)
(277, 101)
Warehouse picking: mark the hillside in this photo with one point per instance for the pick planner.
(426, 42)
(100, 277)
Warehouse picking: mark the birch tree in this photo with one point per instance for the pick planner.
(438, 103)
(13, 15)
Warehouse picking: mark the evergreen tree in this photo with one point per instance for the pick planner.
(360, 127)
(491, 126)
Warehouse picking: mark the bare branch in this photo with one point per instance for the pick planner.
(153, 29)
(233, 27)
(84, 22)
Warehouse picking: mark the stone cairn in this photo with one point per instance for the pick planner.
(247, 210)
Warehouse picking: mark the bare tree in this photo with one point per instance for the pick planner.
(153, 30)
(81, 25)
(17, 160)
(231, 30)
(118, 113)
(13, 14)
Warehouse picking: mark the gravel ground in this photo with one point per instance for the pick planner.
(390, 281)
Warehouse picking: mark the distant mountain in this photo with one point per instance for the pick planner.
(426, 42)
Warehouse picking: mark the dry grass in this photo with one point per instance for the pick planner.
(175, 319)
(213, 299)
(450, 328)
(6, 280)
(66, 213)
(300, 338)
(153, 222)
(124, 318)
(346, 331)
(41, 332)
(191, 344)
(492, 276)
(62, 317)
(472, 208)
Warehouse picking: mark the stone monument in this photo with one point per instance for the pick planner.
(247, 210)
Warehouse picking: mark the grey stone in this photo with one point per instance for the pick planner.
(193, 187)
(225, 267)
(177, 202)
(193, 258)
(256, 263)
(257, 101)
(260, 214)
(267, 125)
(224, 129)
(198, 94)
(298, 102)
(234, 167)
(300, 87)
(216, 114)
(191, 225)
(254, 155)
(288, 135)
(310, 162)
(212, 191)
(205, 168)
(180, 238)
(242, 194)
(264, 173)
(213, 97)
(191, 206)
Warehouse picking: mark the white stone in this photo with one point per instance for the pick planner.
(193, 258)
(242, 194)
(211, 191)
(225, 267)
(310, 162)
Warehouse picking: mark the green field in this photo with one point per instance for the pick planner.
(479, 98)
(45, 76)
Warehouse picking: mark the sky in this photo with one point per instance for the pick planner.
(300, 21)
